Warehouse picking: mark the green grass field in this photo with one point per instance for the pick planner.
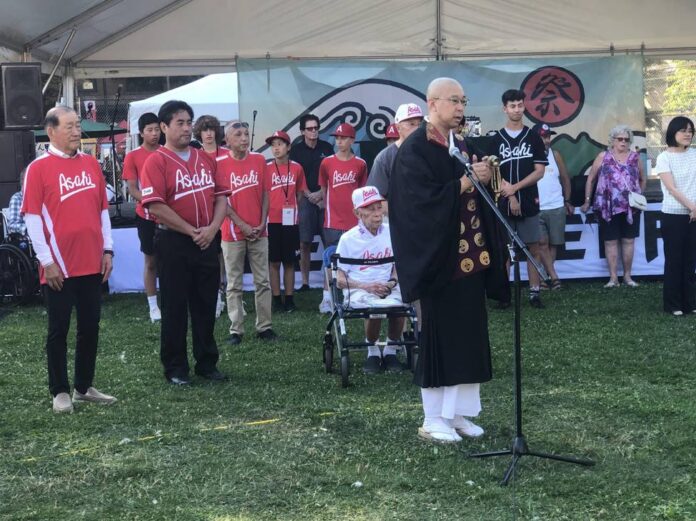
(607, 376)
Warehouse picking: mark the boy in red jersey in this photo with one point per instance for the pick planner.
(182, 190)
(286, 185)
(244, 231)
(339, 175)
(148, 125)
(67, 218)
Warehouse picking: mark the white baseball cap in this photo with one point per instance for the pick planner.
(365, 196)
(407, 111)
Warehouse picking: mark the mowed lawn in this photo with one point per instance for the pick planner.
(607, 375)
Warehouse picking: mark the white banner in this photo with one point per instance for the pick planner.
(581, 257)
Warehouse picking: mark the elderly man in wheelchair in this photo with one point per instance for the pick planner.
(371, 285)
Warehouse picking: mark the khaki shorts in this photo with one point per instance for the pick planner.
(552, 225)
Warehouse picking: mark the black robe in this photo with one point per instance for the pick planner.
(424, 219)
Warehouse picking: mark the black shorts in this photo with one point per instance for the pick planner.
(146, 234)
(619, 228)
(283, 243)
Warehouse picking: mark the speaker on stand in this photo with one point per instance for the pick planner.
(22, 100)
(17, 150)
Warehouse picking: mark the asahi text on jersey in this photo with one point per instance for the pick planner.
(69, 186)
(242, 182)
(520, 151)
(278, 181)
(342, 178)
(186, 181)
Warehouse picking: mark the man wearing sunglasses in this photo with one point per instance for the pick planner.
(309, 153)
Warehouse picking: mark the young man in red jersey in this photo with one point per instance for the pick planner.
(244, 231)
(67, 217)
(148, 125)
(286, 185)
(339, 175)
(188, 199)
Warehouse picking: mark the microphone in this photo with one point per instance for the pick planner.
(254, 113)
(118, 90)
(456, 153)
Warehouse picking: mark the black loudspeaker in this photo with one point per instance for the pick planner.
(22, 100)
(17, 150)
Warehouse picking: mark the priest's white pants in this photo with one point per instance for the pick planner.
(451, 400)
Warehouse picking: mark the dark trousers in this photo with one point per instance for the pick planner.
(189, 279)
(84, 293)
(679, 285)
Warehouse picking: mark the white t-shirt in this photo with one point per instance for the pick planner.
(682, 165)
(359, 243)
(549, 186)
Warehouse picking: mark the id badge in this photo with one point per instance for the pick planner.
(288, 216)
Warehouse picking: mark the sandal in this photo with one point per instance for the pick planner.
(543, 285)
(556, 284)
(612, 284)
(631, 283)
(438, 432)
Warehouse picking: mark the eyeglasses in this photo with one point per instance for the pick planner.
(456, 101)
(312, 129)
(623, 139)
(240, 124)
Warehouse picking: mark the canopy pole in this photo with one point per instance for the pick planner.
(60, 58)
(438, 30)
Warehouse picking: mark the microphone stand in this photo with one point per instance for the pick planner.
(519, 446)
(114, 161)
(253, 127)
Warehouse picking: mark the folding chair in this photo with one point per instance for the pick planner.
(336, 334)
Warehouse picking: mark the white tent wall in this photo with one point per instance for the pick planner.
(215, 95)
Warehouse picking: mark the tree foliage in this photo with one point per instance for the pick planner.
(680, 95)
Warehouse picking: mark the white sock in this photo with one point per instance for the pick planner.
(389, 350)
(373, 350)
(327, 294)
(152, 302)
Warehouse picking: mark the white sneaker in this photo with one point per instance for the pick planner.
(465, 427)
(155, 315)
(94, 396)
(62, 403)
(325, 306)
(220, 307)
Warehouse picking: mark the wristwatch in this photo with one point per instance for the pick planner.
(110, 252)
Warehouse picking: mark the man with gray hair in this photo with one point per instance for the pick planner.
(408, 117)
(445, 256)
(67, 218)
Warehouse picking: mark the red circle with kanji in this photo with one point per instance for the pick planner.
(554, 96)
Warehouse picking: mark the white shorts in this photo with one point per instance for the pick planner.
(359, 298)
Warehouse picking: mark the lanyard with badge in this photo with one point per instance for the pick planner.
(288, 215)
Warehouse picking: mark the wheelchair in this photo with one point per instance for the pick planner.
(336, 335)
(19, 268)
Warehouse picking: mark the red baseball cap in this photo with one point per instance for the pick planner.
(344, 130)
(278, 134)
(365, 196)
(391, 132)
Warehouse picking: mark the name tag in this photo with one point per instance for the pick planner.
(288, 215)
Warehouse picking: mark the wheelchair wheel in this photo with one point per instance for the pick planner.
(345, 362)
(328, 352)
(18, 278)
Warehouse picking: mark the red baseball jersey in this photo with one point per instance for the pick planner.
(340, 178)
(133, 171)
(284, 182)
(69, 194)
(188, 186)
(219, 152)
(247, 184)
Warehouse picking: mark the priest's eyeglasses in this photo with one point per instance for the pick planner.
(454, 100)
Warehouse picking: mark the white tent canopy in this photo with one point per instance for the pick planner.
(159, 37)
(215, 95)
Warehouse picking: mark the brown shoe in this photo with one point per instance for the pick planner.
(62, 403)
(94, 396)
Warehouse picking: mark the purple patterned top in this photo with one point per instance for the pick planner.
(614, 181)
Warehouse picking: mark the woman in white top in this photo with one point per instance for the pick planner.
(677, 170)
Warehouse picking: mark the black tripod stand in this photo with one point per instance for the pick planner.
(519, 444)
